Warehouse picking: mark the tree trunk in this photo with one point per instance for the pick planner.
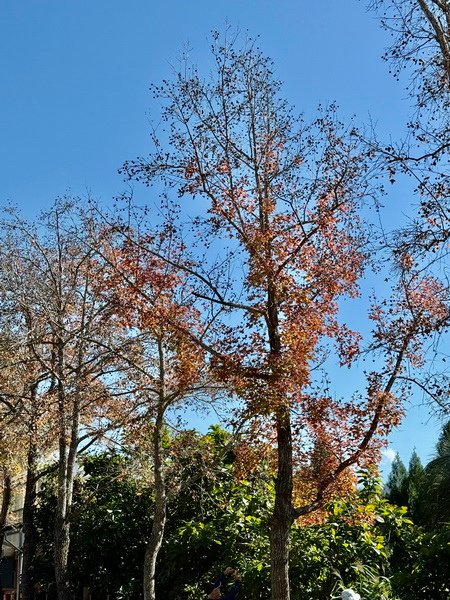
(6, 501)
(29, 528)
(159, 517)
(66, 473)
(283, 515)
(62, 532)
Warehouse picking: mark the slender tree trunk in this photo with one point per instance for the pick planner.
(68, 446)
(29, 527)
(61, 533)
(62, 527)
(282, 516)
(159, 517)
(62, 520)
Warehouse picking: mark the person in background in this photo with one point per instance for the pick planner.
(220, 591)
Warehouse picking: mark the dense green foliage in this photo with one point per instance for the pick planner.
(424, 491)
(111, 513)
(407, 486)
(217, 519)
(422, 554)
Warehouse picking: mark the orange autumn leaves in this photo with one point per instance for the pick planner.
(144, 291)
(297, 259)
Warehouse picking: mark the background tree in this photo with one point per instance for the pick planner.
(26, 432)
(437, 483)
(48, 275)
(167, 367)
(397, 483)
(420, 31)
(416, 483)
(407, 486)
(111, 508)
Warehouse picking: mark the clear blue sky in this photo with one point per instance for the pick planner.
(74, 101)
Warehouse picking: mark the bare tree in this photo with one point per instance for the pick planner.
(421, 47)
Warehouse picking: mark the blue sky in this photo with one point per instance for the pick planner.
(74, 102)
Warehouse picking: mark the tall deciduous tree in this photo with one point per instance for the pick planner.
(420, 47)
(277, 242)
(420, 31)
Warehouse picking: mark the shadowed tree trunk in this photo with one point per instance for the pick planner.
(29, 528)
(6, 501)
